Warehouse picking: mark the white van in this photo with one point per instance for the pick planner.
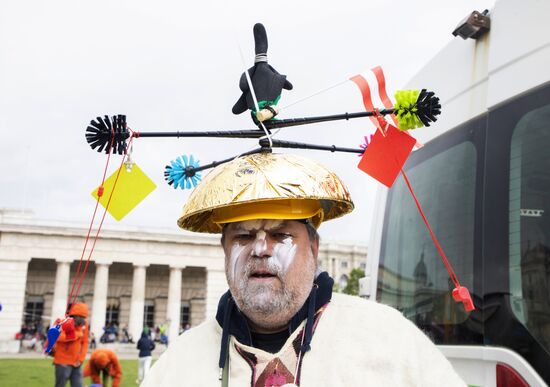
(483, 179)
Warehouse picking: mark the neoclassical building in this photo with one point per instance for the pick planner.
(135, 277)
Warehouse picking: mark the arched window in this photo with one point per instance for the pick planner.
(112, 312)
(149, 313)
(34, 307)
(185, 314)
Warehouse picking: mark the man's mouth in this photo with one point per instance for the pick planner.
(262, 274)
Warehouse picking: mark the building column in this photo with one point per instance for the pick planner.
(13, 277)
(173, 310)
(216, 285)
(137, 302)
(333, 265)
(61, 289)
(99, 305)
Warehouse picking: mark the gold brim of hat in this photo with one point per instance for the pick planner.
(265, 186)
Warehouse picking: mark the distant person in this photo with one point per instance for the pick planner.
(40, 328)
(163, 337)
(93, 343)
(126, 337)
(109, 334)
(70, 349)
(31, 344)
(102, 366)
(184, 328)
(145, 346)
(115, 332)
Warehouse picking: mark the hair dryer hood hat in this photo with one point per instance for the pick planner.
(79, 309)
(265, 186)
(101, 360)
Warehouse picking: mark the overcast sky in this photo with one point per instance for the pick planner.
(175, 65)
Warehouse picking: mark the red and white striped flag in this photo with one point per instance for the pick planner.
(375, 97)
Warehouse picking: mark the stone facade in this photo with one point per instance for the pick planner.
(135, 277)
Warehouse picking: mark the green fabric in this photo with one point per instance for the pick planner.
(262, 104)
(405, 109)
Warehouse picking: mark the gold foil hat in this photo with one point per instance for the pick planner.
(265, 185)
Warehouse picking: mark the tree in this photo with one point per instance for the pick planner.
(353, 283)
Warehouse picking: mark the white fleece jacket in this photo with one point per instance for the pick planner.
(356, 343)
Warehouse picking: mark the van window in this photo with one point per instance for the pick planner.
(529, 226)
(412, 276)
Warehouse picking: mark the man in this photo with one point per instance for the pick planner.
(103, 364)
(279, 323)
(162, 334)
(145, 346)
(70, 349)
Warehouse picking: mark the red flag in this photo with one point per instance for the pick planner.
(385, 155)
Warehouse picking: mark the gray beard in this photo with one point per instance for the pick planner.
(263, 298)
(265, 304)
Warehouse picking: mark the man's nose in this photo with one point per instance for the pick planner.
(263, 247)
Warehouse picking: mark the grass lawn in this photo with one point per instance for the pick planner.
(40, 373)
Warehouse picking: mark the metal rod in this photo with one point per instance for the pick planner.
(252, 133)
(301, 145)
(272, 124)
(216, 163)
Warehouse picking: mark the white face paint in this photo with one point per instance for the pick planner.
(260, 244)
(283, 252)
(257, 224)
(236, 252)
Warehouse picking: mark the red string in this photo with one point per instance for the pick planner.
(100, 193)
(101, 223)
(434, 239)
(79, 276)
(460, 293)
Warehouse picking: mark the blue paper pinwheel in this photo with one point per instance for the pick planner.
(52, 335)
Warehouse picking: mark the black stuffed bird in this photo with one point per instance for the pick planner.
(266, 81)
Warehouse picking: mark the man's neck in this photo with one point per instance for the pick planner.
(265, 330)
(270, 342)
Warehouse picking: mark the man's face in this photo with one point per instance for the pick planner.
(270, 266)
(79, 321)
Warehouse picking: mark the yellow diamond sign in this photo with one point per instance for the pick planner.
(131, 188)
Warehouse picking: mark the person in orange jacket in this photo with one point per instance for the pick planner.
(103, 361)
(70, 349)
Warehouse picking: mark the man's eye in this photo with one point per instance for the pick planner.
(281, 235)
(244, 237)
